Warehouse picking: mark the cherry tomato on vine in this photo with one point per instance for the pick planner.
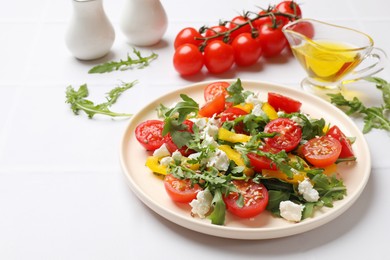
(281, 102)
(149, 134)
(214, 30)
(322, 151)
(346, 148)
(247, 50)
(255, 199)
(289, 7)
(288, 136)
(236, 21)
(180, 190)
(187, 35)
(188, 59)
(272, 40)
(218, 57)
(214, 89)
(280, 20)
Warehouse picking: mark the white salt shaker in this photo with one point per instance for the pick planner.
(143, 22)
(90, 34)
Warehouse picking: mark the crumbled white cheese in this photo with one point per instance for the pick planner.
(162, 151)
(214, 121)
(176, 155)
(209, 141)
(166, 161)
(257, 111)
(210, 130)
(194, 155)
(254, 99)
(201, 205)
(306, 189)
(291, 211)
(219, 160)
(200, 122)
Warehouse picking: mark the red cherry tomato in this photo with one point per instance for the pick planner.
(286, 104)
(255, 199)
(172, 147)
(247, 50)
(231, 113)
(214, 106)
(149, 134)
(288, 136)
(289, 7)
(214, 30)
(236, 21)
(214, 89)
(272, 40)
(188, 60)
(260, 163)
(346, 147)
(187, 35)
(180, 190)
(280, 20)
(218, 57)
(304, 28)
(322, 151)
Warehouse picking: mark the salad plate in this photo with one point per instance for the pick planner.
(150, 189)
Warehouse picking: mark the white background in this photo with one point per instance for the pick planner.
(62, 191)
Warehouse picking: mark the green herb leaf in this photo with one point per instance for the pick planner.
(274, 199)
(217, 217)
(236, 92)
(140, 62)
(77, 100)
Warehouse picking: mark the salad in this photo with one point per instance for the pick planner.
(240, 153)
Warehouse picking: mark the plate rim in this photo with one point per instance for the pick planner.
(236, 232)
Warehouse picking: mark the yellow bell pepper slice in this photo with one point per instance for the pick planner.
(236, 157)
(269, 111)
(154, 165)
(298, 177)
(247, 107)
(229, 136)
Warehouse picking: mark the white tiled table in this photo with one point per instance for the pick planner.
(62, 191)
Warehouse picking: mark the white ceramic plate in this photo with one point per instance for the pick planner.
(150, 189)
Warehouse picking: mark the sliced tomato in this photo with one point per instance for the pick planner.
(180, 190)
(149, 134)
(322, 151)
(260, 163)
(281, 102)
(346, 147)
(255, 199)
(288, 136)
(232, 113)
(215, 89)
(172, 147)
(214, 106)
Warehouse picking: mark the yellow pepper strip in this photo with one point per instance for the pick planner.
(329, 170)
(269, 111)
(300, 176)
(236, 157)
(247, 107)
(226, 135)
(154, 165)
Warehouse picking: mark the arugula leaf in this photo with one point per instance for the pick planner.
(77, 100)
(310, 127)
(236, 92)
(217, 216)
(274, 199)
(374, 117)
(140, 61)
(329, 188)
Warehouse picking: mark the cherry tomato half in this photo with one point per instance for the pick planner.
(322, 151)
(180, 190)
(149, 134)
(281, 102)
(218, 56)
(187, 35)
(231, 113)
(288, 136)
(214, 89)
(260, 163)
(172, 147)
(247, 50)
(214, 106)
(188, 60)
(255, 199)
(346, 147)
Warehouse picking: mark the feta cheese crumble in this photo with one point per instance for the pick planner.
(257, 111)
(306, 189)
(201, 205)
(291, 211)
(162, 151)
(219, 160)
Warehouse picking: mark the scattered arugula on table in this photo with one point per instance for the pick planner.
(77, 100)
(374, 117)
(140, 61)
